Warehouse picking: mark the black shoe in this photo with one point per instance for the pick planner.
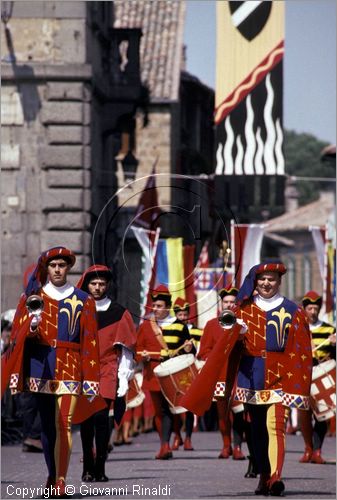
(101, 478)
(251, 472)
(277, 489)
(87, 477)
(262, 488)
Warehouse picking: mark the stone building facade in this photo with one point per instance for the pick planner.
(80, 80)
(46, 140)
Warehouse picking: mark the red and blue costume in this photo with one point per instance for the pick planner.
(273, 363)
(58, 361)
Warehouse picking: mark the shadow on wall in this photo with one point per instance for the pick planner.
(29, 96)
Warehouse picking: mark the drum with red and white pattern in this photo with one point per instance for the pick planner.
(323, 390)
(135, 396)
(175, 377)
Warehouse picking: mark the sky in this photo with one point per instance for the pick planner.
(309, 67)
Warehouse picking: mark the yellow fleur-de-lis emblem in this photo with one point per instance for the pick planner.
(73, 314)
(280, 328)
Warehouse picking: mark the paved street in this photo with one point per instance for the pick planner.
(190, 475)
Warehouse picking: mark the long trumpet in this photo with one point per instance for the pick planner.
(35, 305)
(227, 318)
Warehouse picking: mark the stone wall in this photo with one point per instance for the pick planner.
(45, 147)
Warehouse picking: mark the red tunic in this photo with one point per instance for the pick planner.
(212, 332)
(63, 357)
(116, 328)
(147, 341)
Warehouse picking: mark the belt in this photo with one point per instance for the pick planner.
(63, 344)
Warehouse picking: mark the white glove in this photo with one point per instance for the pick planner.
(36, 320)
(123, 386)
(239, 321)
(125, 371)
(244, 327)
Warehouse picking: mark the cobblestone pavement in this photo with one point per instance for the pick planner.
(134, 473)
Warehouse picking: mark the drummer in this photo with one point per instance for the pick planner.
(323, 338)
(160, 337)
(181, 309)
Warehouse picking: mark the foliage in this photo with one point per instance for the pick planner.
(303, 158)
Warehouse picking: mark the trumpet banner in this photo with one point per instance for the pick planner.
(249, 88)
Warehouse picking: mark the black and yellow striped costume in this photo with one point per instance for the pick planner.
(175, 335)
(196, 334)
(318, 335)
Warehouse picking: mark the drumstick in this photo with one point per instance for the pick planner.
(149, 352)
(320, 345)
(179, 349)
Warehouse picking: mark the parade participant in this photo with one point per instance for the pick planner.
(212, 332)
(56, 355)
(160, 337)
(116, 338)
(181, 309)
(323, 338)
(273, 360)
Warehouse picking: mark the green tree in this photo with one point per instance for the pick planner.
(303, 158)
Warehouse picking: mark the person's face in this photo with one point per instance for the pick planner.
(227, 301)
(182, 316)
(97, 287)
(312, 312)
(267, 284)
(160, 309)
(5, 336)
(57, 271)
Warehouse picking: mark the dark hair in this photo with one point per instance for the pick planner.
(5, 324)
(69, 260)
(164, 298)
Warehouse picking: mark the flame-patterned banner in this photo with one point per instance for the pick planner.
(249, 88)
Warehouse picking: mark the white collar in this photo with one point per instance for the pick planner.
(58, 292)
(103, 304)
(268, 304)
(315, 325)
(166, 321)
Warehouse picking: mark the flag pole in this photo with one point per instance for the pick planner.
(233, 253)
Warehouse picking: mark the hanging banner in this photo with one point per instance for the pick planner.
(249, 88)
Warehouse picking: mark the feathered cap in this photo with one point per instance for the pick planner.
(248, 286)
(228, 291)
(181, 305)
(38, 278)
(312, 298)
(95, 271)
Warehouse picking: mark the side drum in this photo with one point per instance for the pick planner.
(135, 396)
(175, 377)
(323, 390)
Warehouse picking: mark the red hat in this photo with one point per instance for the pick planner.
(95, 271)
(58, 253)
(38, 277)
(248, 286)
(228, 291)
(181, 305)
(312, 297)
(271, 267)
(161, 293)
